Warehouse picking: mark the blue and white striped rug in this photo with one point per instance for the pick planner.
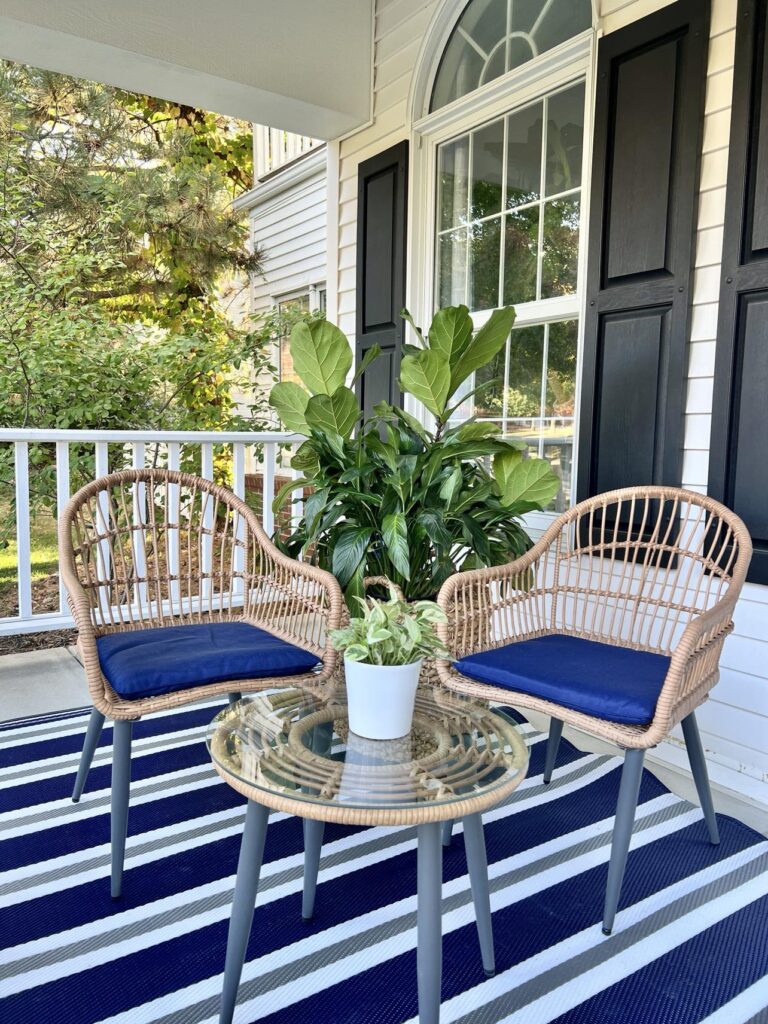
(691, 944)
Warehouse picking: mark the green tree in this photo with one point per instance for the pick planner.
(117, 234)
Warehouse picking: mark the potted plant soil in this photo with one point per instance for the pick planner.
(383, 653)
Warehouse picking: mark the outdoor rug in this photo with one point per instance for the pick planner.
(690, 942)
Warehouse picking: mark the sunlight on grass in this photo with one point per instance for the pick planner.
(44, 552)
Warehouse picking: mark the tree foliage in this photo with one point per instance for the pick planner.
(117, 242)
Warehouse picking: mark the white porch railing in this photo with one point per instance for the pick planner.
(138, 448)
(273, 147)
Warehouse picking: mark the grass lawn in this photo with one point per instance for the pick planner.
(44, 565)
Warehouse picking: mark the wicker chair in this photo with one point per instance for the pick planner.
(178, 595)
(614, 623)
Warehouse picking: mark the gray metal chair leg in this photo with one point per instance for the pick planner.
(92, 736)
(234, 697)
(553, 743)
(629, 790)
(477, 864)
(313, 844)
(700, 774)
(429, 950)
(447, 833)
(121, 785)
(243, 904)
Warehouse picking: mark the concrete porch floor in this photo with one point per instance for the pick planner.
(44, 682)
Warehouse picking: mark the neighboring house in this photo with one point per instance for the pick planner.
(288, 210)
(600, 164)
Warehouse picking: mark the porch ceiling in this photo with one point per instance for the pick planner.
(294, 64)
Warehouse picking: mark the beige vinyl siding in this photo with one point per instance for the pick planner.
(734, 722)
(291, 229)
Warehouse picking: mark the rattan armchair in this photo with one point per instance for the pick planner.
(649, 576)
(177, 591)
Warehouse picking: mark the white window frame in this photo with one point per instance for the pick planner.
(312, 291)
(564, 65)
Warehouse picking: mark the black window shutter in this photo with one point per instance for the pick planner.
(382, 186)
(649, 115)
(738, 467)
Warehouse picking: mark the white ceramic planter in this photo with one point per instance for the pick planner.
(380, 698)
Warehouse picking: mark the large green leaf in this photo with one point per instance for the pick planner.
(474, 431)
(286, 491)
(349, 551)
(290, 402)
(426, 377)
(489, 340)
(451, 332)
(373, 353)
(321, 356)
(413, 424)
(451, 485)
(314, 507)
(394, 530)
(333, 414)
(530, 485)
(416, 330)
(306, 458)
(503, 466)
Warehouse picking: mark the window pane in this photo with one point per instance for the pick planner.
(487, 169)
(526, 354)
(453, 161)
(560, 264)
(483, 45)
(560, 20)
(485, 251)
(561, 369)
(489, 403)
(297, 304)
(520, 255)
(452, 267)
(524, 155)
(468, 60)
(561, 398)
(565, 139)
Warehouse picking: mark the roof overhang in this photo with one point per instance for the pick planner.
(299, 65)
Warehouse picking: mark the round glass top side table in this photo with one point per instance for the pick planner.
(291, 751)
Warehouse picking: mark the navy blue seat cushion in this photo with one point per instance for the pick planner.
(149, 662)
(613, 683)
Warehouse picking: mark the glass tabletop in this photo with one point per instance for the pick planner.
(289, 745)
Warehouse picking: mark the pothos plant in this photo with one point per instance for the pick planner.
(390, 496)
(391, 632)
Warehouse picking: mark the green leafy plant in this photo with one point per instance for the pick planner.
(391, 632)
(390, 496)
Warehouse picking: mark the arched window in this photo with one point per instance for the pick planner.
(495, 36)
(507, 182)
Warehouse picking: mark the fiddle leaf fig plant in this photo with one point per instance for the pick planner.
(389, 495)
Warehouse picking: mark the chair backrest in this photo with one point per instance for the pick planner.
(635, 566)
(150, 545)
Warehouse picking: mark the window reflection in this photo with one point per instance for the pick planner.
(529, 389)
(493, 37)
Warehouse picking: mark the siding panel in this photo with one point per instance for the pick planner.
(291, 228)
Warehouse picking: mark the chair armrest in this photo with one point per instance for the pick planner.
(80, 607)
(297, 601)
(694, 666)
